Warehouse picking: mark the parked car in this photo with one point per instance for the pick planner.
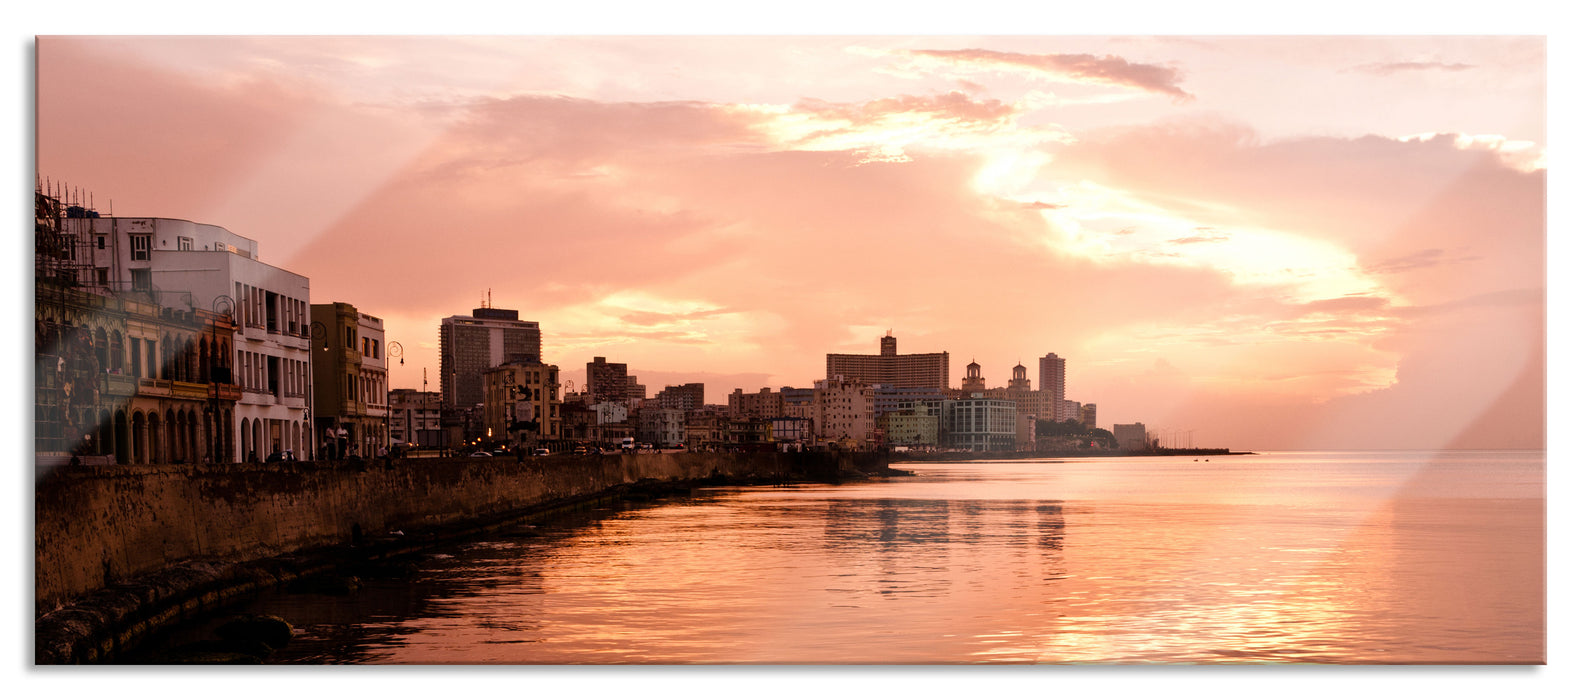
(541, 452)
(281, 456)
(480, 453)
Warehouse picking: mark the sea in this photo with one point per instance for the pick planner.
(1387, 557)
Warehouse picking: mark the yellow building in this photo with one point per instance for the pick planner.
(521, 402)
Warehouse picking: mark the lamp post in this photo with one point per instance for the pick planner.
(318, 332)
(215, 441)
(392, 350)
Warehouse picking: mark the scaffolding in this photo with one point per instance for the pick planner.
(68, 371)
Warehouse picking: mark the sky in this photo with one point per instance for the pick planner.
(1263, 242)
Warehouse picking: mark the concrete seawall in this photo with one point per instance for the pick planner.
(120, 550)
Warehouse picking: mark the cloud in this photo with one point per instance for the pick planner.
(1410, 66)
(1089, 68)
(1204, 235)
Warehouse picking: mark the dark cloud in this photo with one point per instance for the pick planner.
(1111, 70)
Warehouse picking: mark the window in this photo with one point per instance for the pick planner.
(142, 279)
(102, 275)
(141, 246)
(101, 242)
(183, 243)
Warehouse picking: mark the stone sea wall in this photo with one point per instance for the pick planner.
(174, 536)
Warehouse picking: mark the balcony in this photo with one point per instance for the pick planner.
(153, 387)
(225, 392)
(189, 390)
(120, 385)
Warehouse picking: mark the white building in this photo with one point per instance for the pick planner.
(608, 412)
(980, 424)
(662, 427)
(200, 266)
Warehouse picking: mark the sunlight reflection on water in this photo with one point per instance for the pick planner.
(1391, 557)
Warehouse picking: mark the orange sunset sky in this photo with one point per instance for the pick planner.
(1274, 242)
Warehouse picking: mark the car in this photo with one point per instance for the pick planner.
(541, 452)
(480, 453)
(281, 456)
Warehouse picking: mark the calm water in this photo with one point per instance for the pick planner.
(1389, 557)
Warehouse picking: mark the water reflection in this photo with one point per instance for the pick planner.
(1372, 558)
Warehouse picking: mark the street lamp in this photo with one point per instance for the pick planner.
(392, 349)
(215, 441)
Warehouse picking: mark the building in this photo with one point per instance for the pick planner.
(1026, 433)
(917, 425)
(685, 396)
(1052, 375)
(608, 381)
(471, 345)
(1068, 410)
(350, 403)
(973, 382)
(764, 404)
(119, 379)
(888, 398)
(918, 370)
(662, 427)
(981, 424)
(414, 418)
(521, 402)
(1090, 416)
(843, 410)
(187, 267)
(798, 403)
(787, 430)
(706, 430)
(608, 412)
(1019, 380)
(1131, 436)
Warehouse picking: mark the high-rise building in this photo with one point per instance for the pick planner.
(1052, 375)
(471, 345)
(608, 381)
(918, 370)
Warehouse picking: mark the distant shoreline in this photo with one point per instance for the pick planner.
(1059, 454)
